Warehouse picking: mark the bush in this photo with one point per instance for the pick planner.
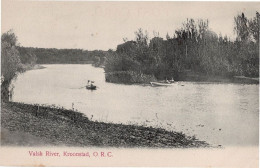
(128, 77)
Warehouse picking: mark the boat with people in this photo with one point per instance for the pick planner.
(163, 83)
(90, 85)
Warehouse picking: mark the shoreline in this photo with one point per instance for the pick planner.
(28, 67)
(58, 126)
(196, 77)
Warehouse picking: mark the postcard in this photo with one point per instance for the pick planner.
(129, 83)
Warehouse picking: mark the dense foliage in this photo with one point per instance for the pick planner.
(193, 49)
(10, 62)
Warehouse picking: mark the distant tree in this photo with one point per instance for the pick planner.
(203, 26)
(157, 52)
(156, 34)
(96, 61)
(168, 36)
(141, 37)
(247, 45)
(125, 39)
(254, 27)
(241, 27)
(141, 53)
(10, 62)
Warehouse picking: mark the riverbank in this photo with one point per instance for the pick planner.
(28, 67)
(60, 127)
(198, 77)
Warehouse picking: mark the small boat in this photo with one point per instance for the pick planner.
(91, 87)
(161, 84)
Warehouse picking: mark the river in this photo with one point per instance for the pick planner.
(220, 114)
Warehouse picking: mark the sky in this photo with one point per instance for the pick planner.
(103, 25)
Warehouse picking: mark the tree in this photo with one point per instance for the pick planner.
(141, 53)
(254, 25)
(241, 27)
(10, 62)
(10, 38)
(168, 36)
(247, 44)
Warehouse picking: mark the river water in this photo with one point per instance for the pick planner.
(220, 114)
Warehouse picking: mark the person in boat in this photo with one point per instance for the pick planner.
(172, 80)
(89, 83)
(166, 81)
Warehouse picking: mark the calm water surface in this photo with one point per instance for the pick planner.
(221, 114)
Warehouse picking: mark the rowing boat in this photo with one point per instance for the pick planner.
(161, 84)
(92, 87)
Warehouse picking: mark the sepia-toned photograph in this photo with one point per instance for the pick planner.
(117, 81)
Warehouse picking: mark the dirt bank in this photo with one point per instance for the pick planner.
(56, 126)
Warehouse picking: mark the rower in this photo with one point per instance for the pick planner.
(167, 81)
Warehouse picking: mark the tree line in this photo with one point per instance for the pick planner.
(194, 48)
(61, 56)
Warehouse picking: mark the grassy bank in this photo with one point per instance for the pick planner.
(56, 126)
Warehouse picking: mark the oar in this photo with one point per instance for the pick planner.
(81, 87)
(78, 88)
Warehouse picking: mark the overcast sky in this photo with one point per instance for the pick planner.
(103, 25)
